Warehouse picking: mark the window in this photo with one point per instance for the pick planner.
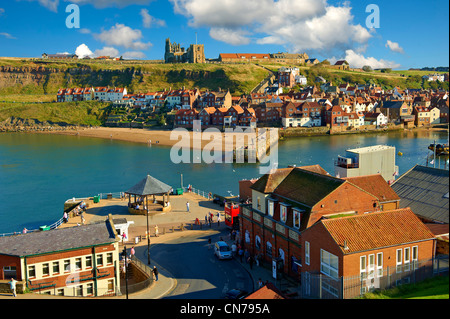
(270, 206)
(415, 255)
(109, 258)
(88, 262)
(32, 271)
(90, 289)
(99, 260)
(380, 265)
(283, 213)
(77, 263)
(67, 265)
(79, 291)
(329, 264)
(371, 266)
(269, 249)
(45, 270)
(55, 267)
(297, 218)
(399, 261)
(407, 258)
(363, 267)
(307, 252)
(111, 285)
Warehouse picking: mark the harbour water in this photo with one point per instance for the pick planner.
(38, 172)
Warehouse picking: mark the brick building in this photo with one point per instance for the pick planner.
(291, 200)
(75, 261)
(372, 249)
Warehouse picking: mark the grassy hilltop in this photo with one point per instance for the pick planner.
(46, 77)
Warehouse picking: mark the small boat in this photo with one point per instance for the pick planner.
(441, 149)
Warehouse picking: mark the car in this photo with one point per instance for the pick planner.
(235, 294)
(222, 250)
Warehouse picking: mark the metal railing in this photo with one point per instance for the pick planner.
(320, 286)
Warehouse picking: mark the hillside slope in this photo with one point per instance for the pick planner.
(26, 76)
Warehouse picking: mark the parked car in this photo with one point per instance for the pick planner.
(235, 294)
(222, 250)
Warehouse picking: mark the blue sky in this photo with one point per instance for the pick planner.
(410, 34)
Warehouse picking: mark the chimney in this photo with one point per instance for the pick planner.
(345, 245)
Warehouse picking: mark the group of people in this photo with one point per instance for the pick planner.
(209, 218)
(77, 211)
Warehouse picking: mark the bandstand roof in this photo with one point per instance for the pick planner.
(149, 186)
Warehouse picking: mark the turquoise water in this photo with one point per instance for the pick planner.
(38, 172)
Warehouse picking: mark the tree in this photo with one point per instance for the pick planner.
(367, 68)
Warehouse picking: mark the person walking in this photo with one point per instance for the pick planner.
(218, 220)
(132, 252)
(241, 253)
(12, 286)
(250, 261)
(156, 231)
(187, 206)
(155, 272)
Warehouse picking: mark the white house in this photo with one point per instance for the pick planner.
(116, 94)
(378, 119)
(301, 79)
(435, 115)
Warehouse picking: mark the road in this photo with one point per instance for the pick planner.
(199, 274)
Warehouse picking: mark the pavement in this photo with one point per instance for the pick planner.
(169, 228)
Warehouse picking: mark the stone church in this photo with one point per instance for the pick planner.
(176, 54)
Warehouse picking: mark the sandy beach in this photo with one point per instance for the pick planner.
(156, 137)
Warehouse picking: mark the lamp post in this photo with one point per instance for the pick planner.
(124, 253)
(148, 236)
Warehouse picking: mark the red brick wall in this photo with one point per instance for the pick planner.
(349, 265)
(9, 261)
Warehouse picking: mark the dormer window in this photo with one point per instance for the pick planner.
(297, 216)
(283, 212)
(270, 207)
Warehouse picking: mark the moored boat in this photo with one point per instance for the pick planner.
(441, 149)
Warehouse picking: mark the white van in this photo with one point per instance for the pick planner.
(222, 250)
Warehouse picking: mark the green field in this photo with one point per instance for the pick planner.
(434, 288)
(73, 113)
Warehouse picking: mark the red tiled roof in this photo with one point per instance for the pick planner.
(375, 185)
(377, 230)
(269, 291)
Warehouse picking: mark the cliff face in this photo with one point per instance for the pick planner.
(42, 80)
(48, 78)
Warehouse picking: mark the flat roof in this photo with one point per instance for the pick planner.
(369, 149)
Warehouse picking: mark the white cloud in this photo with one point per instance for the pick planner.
(84, 31)
(7, 35)
(83, 51)
(52, 5)
(121, 35)
(150, 21)
(357, 60)
(394, 46)
(234, 37)
(300, 25)
(110, 3)
(107, 51)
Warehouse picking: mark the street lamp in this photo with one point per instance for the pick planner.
(124, 253)
(148, 236)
